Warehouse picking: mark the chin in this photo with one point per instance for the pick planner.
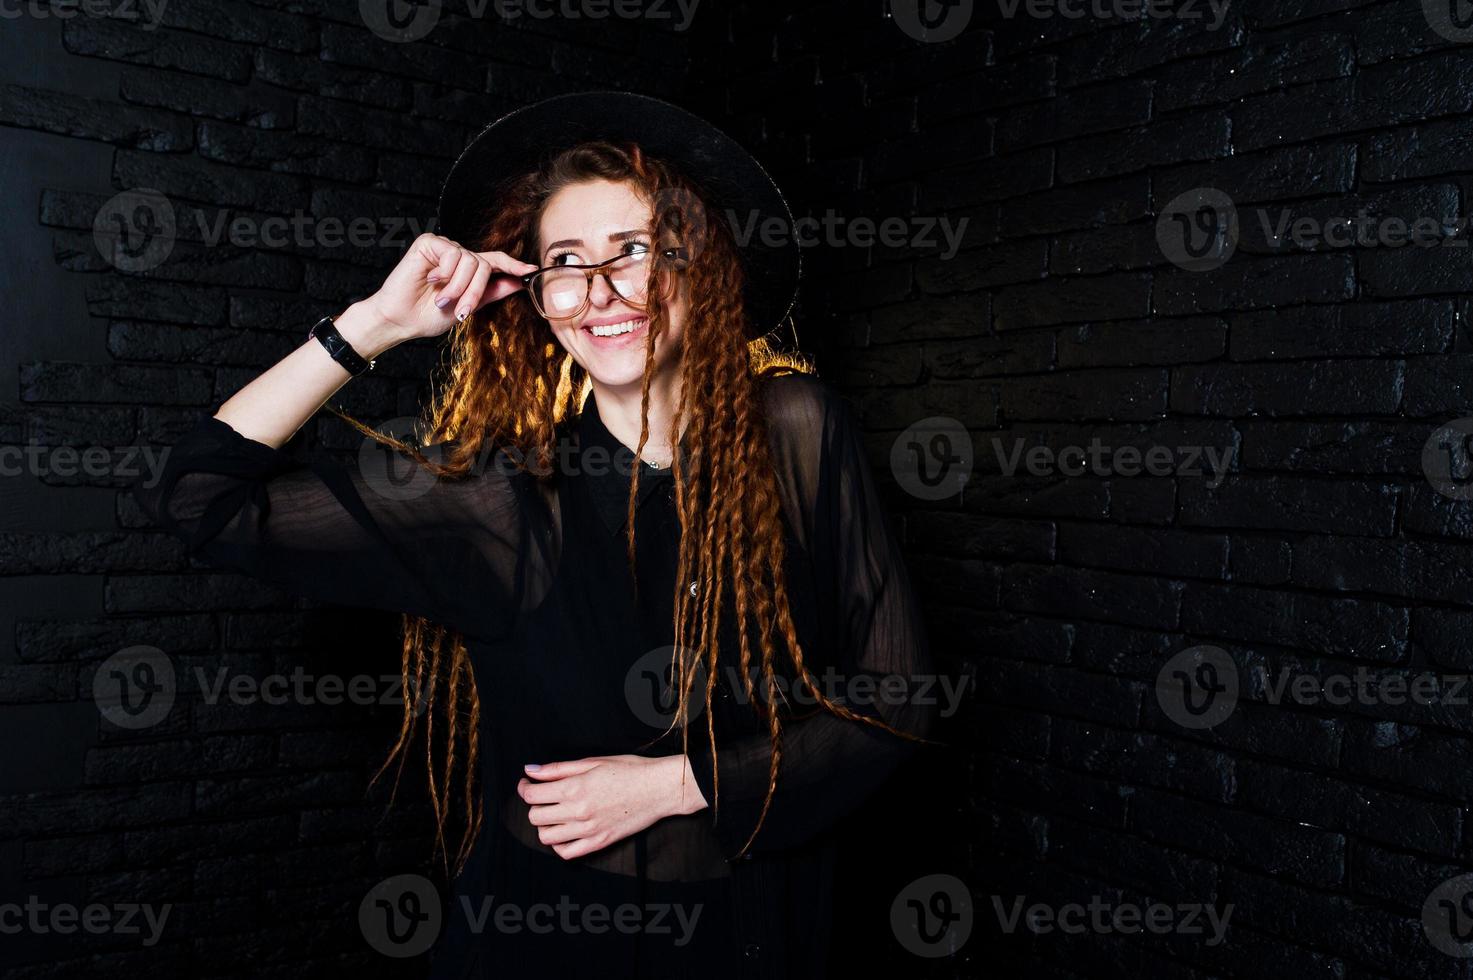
(618, 361)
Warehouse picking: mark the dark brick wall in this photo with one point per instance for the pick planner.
(1090, 296)
(1075, 312)
(254, 822)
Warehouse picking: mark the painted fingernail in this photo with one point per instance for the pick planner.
(461, 315)
(442, 302)
(533, 766)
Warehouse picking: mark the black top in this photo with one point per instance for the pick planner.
(566, 654)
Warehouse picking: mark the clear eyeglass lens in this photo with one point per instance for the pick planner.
(560, 292)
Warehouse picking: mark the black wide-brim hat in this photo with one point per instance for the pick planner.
(738, 187)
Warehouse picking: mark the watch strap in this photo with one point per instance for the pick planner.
(326, 332)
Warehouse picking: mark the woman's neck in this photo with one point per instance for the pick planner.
(619, 409)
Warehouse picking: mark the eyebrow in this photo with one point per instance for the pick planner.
(618, 236)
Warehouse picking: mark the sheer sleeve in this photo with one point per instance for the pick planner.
(443, 549)
(830, 765)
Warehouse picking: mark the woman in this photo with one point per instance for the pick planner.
(621, 474)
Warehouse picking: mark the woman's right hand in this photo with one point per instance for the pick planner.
(438, 282)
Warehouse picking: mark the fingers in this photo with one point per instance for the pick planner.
(577, 848)
(502, 262)
(443, 255)
(539, 794)
(560, 770)
(563, 833)
(464, 271)
(470, 300)
(503, 278)
(466, 276)
(543, 814)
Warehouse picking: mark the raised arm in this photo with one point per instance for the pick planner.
(436, 283)
(239, 501)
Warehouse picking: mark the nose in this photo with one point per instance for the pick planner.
(600, 293)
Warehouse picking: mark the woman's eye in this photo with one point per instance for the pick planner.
(559, 259)
(636, 248)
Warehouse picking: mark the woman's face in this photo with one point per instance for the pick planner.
(591, 222)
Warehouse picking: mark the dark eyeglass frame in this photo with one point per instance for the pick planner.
(677, 254)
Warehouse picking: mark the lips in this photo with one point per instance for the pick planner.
(617, 333)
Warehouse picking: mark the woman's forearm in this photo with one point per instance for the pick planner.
(276, 404)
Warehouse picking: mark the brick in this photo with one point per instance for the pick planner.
(1312, 388)
(119, 41)
(207, 97)
(72, 115)
(1290, 503)
(1112, 597)
(1071, 300)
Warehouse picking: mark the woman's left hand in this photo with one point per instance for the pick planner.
(583, 805)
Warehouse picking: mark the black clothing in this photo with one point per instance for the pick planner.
(536, 579)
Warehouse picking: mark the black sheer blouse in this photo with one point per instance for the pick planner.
(568, 659)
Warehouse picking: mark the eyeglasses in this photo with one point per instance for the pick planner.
(561, 292)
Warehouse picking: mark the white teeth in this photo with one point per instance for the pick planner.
(614, 329)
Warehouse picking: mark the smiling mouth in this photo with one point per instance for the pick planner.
(617, 329)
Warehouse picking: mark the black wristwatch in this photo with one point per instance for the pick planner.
(338, 347)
